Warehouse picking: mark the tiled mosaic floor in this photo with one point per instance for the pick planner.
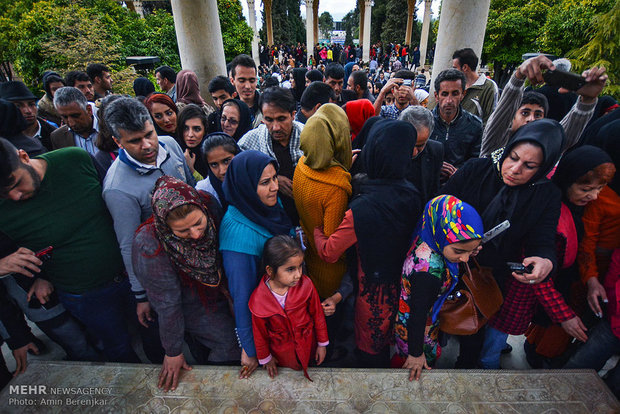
(126, 388)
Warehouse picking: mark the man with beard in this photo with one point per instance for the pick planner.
(55, 200)
(459, 131)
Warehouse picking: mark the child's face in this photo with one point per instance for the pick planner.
(290, 272)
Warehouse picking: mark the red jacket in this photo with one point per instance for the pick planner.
(290, 334)
(612, 287)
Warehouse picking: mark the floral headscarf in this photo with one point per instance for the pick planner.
(194, 260)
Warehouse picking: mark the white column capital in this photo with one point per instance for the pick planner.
(309, 3)
(369, 3)
(250, 3)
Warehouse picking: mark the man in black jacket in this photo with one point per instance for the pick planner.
(459, 131)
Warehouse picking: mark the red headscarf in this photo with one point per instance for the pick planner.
(358, 112)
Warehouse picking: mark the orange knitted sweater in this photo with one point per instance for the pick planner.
(321, 198)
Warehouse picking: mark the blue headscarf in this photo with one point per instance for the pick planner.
(240, 185)
(447, 220)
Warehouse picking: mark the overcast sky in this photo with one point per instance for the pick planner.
(337, 8)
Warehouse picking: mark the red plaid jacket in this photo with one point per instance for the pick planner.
(520, 302)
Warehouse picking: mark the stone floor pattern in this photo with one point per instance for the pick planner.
(131, 388)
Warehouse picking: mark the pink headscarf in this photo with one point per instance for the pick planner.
(188, 90)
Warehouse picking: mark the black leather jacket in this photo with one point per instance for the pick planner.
(461, 138)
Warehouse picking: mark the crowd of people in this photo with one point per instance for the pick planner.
(242, 230)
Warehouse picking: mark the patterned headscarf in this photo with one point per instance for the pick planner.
(447, 220)
(194, 260)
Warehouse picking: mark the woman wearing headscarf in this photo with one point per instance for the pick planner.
(235, 118)
(175, 257)
(322, 187)
(191, 130)
(164, 112)
(254, 215)
(379, 223)
(581, 175)
(448, 233)
(512, 185)
(358, 112)
(143, 87)
(188, 91)
(298, 84)
(601, 220)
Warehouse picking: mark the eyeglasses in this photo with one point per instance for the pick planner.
(231, 121)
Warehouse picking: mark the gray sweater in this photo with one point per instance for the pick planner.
(127, 193)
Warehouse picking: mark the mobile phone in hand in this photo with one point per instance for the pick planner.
(564, 79)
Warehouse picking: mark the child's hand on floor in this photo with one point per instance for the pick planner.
(320, 354)
(272, 367)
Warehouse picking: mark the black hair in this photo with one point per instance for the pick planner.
(278, 250)
(317, 92)
(9, 162)
(535, 98)
(219, 139)
(128, 114)
(280, 97)
(51, 78)
(104, 141)
(74, 76)
(190, 111)
(450, 75)
(167, 72)
(315, 75)
(405, 74)
(334, 71)
(221, 83)
(241, 60)
(360, 78)
(466, 57)
(96, 69)
(270, 82)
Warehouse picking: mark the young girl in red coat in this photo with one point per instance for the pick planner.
(287, 318)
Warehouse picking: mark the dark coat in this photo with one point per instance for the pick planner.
(62, 138)
(461, 138)
(425, 169)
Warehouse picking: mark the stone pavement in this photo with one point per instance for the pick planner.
(129, 388)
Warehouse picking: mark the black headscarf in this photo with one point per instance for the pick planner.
(240, 185)
(215, 182)
(388, 206)
(299, 75)
(143, 87)
(546, 134)
(245, 118)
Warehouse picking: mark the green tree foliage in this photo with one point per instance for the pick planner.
(326, 24)
(395, 24)
(603, 49)
(351, 22)
(377, 20)
(236, 33)
(288, 28)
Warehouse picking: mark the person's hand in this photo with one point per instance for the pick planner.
(596, 291)
(575, 328)
(542, 268)
(170, 372)
(42, 289)
(415, 366)
(532, 69)
(329, 304)
(23, 261)
(392, 83)
(286, 185)
(248, 365)
(476, 251)
(410, 92)
(143, 309)
(356, 153)
(596, 79)
(272, 367)
(320, 354)
(190, 159)
(447, 170)
(21, 357)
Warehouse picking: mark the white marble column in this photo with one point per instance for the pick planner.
(197, 26)
(310, 28)
(366, 41)
(462, 23)
(426, 24)
(252, 19)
